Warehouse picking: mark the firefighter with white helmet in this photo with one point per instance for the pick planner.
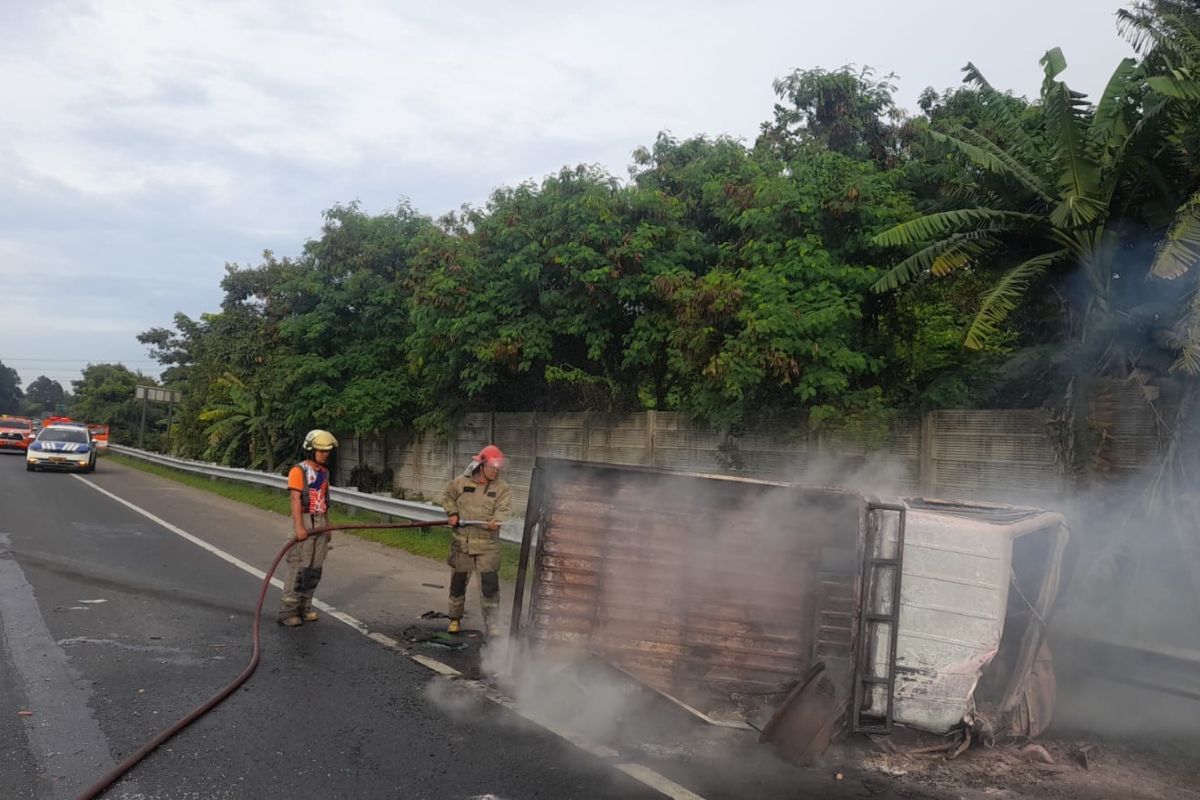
(479, 494)
(308, 487)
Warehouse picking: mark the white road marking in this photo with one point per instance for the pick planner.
(657, 782)
(216, 551)
(436, 666)
(232, 559)
(638, 772)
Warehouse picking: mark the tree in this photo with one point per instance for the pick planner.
(847, 110)
(343, 334)
(241, 423)
(10, 390)
(177, 350)
(44, 394)
(546, 299)
(1076, 204)
(105, 394)
(1167, 33)
(1068, 248)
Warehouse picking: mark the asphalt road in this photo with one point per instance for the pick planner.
(111, 627)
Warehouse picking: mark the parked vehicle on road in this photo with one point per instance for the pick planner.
(62, 447)
(15, 433)
(99, 436)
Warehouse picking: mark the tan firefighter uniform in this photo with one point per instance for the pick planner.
(476, 548)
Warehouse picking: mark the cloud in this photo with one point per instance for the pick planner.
(156, 141)
(197, 93)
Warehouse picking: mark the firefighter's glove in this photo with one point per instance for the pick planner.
(453, 520)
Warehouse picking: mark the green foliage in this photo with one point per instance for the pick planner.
(241, 425)
(1077, 202)
(1164, 30)
(548, 297)
(105, 394)
(790, 277)
(720, 280)
(848, 111)
(346, 326)
(779, 320)
(946, 223)
(926, 365)
(1167, 34)
(1180, 248)
(367, 479)
(11, 396)
(44, 395)
(1002, 298)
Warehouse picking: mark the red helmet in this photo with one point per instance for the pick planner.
(491, 455)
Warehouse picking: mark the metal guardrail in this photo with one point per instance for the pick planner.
(347, 496)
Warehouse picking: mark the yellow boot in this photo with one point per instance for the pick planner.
(454, 626)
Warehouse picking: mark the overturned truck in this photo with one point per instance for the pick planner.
(803, 613)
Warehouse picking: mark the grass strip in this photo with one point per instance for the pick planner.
(433, 542)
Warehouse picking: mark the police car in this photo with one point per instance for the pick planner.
(62, 447)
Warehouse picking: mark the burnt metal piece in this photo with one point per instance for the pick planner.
(533, 514)
(698, 586)
(806, 721)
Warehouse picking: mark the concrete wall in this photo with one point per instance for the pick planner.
(989, 454)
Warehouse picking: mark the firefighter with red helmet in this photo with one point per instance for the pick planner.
(308, 486)
(479, 494)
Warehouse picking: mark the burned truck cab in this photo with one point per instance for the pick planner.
(801, 613)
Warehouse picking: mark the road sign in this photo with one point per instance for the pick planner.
(168, 396)
(154, 394)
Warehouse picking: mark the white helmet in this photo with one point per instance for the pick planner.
(318, 439)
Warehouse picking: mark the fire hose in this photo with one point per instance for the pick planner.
(98, 788)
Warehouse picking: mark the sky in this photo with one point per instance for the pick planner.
(144, 145)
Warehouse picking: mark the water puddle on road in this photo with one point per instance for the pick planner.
(171, 655)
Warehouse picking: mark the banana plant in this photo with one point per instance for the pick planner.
(1067, 178)
(240, 420)
(1167, 34)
